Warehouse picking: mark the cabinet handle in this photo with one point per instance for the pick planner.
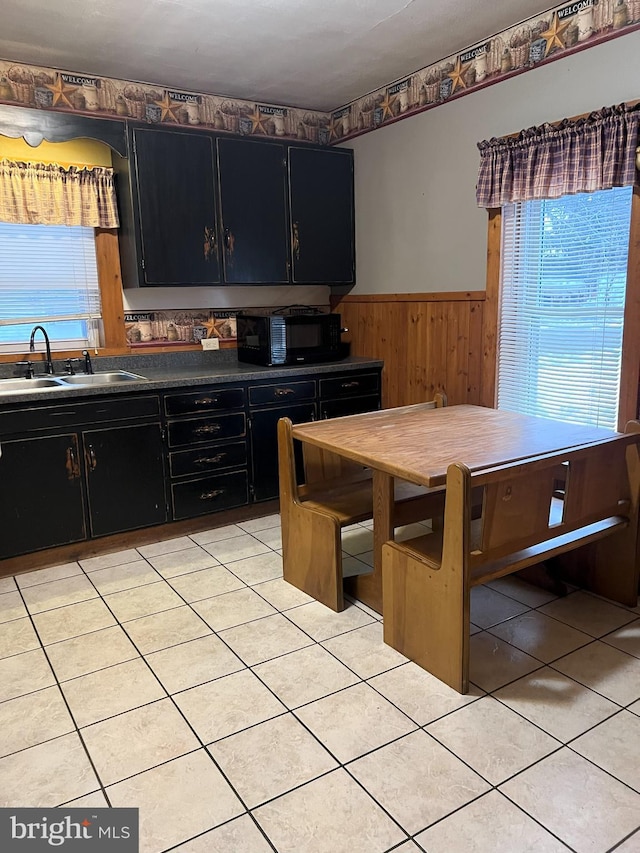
(211, 496)
(210, 244)
(92, 462)
(295, 245)
(283, 392)
(72, 466)
(205, 401)
(229, 241)
(207, 429)
(209, 460)
(347, 385)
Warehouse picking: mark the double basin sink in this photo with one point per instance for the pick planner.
(80, 380)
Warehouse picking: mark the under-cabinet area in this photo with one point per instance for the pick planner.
(76, 467)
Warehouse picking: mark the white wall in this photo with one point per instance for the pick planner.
(418, 228)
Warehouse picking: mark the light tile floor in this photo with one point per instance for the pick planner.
(188, 679)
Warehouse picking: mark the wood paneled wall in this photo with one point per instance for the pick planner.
(429, 342)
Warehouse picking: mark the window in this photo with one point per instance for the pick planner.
(562, 298)
(48, 275)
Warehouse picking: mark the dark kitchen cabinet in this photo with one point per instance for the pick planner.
(322, 215)
(79, 470)
(125, 477)
(253, 203)
(264, 445)
(207, 443)
(171, 178)
(41, 498)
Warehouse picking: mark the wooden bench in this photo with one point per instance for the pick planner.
(336, 493)
(532, 510)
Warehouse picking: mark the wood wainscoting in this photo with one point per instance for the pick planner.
(429, 342)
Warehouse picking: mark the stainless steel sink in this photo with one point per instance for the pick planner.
(101, 378)
(14, 386)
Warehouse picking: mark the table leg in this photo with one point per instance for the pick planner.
(368, 588)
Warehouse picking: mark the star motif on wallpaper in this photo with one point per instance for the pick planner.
(257, 120)
(210, 326)
(457, 75)
(386, 104)
(332, 127)
(553, 36)
(61, 92)
(167, 106)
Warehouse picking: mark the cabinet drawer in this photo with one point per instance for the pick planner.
(199, 430)
(207, 400)
(209, 494)
(95, 412)
(340, 408)
(210, 459)
(282, 392)
(349, 386)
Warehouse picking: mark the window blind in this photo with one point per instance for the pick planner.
(563, 284)
(48, 275)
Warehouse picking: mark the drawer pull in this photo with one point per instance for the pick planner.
(283, 392)
(205, 401)
(211, 496)
(207, 429)
(353, 384)
(209, 460)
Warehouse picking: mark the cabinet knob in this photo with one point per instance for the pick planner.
(283, 392)
(207, 429)
(211, 496)
(205, 401)
(72, 466)
(229, 241)
(295, 244)
(210, 243)
(92, 462)
(347, 385)
(210, 460)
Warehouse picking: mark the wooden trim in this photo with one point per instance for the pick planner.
(630, 367)
(133, 538)
(443, 296)
(110, 278)
(491, 310)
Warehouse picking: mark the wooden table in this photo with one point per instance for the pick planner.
(417, 444)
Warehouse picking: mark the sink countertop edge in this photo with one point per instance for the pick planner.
(161, 379)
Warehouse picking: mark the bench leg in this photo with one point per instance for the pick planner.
(426, 615)
(312, 555)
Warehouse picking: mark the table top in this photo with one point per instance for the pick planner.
(417, 443)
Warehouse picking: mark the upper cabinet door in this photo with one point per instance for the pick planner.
(254, 212)
(322, 224)
(175, 186)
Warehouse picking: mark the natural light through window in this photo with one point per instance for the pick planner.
(564, 273)
(48, 275)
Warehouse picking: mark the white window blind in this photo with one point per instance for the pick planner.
(49, 276)
(564, 273)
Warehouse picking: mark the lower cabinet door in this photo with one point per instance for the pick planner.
(209, 494)
(125, 478)
(41, 503)
(264, 446)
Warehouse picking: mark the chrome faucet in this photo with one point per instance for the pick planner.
(88, 367)
(48, 365)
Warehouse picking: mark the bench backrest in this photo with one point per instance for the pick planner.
(533, 501)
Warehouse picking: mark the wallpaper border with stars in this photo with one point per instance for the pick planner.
(542, 38)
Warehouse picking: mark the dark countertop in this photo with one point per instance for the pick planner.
(174, 370)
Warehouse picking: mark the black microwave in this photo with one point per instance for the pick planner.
(272, 339)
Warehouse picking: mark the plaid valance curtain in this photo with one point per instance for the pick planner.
(48, 194)
(588, 154)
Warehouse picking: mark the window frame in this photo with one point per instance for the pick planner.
(630, 367)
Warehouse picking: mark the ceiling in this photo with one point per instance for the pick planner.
(318, 54)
